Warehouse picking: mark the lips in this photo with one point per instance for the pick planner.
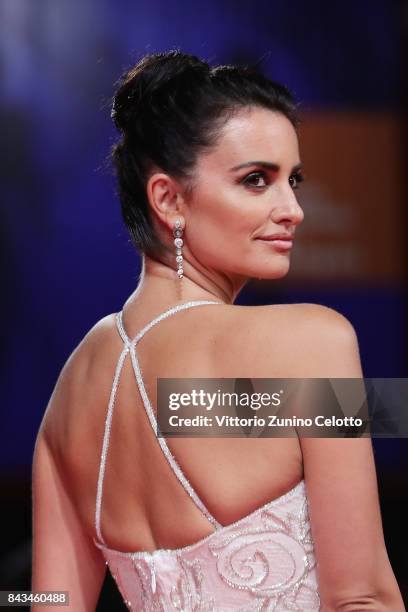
(280, 242)
(277, 237)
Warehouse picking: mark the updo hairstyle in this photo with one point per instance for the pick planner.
(169, 108)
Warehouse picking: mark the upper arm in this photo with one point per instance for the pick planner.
(64, 556)
(340, 476)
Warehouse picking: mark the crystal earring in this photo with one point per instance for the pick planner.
(178, 241)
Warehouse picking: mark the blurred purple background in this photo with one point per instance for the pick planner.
(67, 260)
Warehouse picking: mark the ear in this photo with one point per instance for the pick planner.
(165, 197)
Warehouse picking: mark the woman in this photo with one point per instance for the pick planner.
(208, 164)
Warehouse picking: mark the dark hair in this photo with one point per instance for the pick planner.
(170, 107)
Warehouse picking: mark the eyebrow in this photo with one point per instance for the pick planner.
(265, 164)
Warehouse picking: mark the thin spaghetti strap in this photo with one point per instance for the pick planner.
(156, 320)
(106, 436)
(148, 407)
(129, 346)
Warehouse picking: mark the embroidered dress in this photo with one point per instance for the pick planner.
(264, 561)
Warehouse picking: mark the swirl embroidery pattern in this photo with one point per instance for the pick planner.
(272, 562)
(263, 562)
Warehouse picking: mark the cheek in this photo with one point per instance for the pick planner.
(225, 211)
(220, 229)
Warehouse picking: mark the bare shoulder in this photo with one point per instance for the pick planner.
(320, 314)
(305, 315)
(75, 396)
(327, 340)
(295, 340)
(299, 313)
(61, 465)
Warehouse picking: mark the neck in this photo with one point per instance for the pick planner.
(159, 279)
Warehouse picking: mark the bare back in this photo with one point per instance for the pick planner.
(144, 506)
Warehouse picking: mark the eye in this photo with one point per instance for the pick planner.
(295, 179)
(253, 178)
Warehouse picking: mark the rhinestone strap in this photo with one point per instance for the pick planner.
(105, 444)
(156, 320)
(129, 345)
(148, 407)
(163, 444)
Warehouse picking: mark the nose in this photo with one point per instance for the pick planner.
(288, 208)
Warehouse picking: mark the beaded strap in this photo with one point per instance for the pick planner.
(130, 346)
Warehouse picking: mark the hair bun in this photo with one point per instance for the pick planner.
(154, 73)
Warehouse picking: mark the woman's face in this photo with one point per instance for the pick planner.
(244, 190)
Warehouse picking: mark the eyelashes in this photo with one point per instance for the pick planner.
(298, 177)
(294, 180)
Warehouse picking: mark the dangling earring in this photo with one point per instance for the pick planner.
(178, 241)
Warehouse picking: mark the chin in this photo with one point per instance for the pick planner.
(270, 275)
(272, 272)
